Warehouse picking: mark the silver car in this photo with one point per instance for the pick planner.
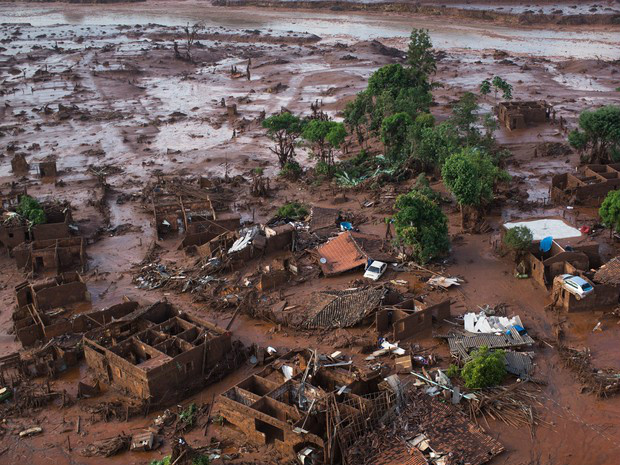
(576, 285)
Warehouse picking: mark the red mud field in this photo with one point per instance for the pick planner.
(130, 113)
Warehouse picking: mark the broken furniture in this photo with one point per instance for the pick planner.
(158, 353)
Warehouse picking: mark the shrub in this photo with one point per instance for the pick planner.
(164, 461)
(322, 169)
(486, 368)
(291, 170)
(519, 238)
(292, 211)
(453, 371)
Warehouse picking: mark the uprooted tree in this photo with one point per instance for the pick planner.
(284, 129)
(598, 136)
(421, 226)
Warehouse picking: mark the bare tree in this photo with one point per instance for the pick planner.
(191, 33)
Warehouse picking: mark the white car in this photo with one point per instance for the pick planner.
(576, 285)
(375, 270)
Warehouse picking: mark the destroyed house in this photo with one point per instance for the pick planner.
(55, 255)
(587, 187)
(47, 168)
(568, 247)
(519, 115)
(191, 211)
(45, 308)
(605, 294)
(410, 318)
(157, 353)
(260, 240)
(351, 250)
(295, 403)
(15, 230)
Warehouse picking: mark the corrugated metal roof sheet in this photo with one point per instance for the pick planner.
(491, 341)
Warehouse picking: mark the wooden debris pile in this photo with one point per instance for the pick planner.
(425, 430)
(28, 396)
(512, 405)
(118, 410)
(602, 383)
(107, 447)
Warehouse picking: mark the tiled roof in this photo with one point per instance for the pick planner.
(341, 254)
(351, 250)
(609, 273)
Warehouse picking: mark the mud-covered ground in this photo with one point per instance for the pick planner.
(135, 110)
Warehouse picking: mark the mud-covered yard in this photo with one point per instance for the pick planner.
(106, 96)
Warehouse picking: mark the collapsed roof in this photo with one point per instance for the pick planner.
(351, 250)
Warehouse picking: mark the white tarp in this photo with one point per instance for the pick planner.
(481, 323)
(556, 228)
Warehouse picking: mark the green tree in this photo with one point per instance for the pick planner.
(325, 136)
(465, 118)
(470, 175)
(435, 145)
(485, 369)
(598, 136)
(421, 226)
(485, 87)
(610, 211)
(284, 129)
(395, 77)
(356, 115)
(422, 186)
(519, 239)
(500, 84)
(31, 210)
(394, 131)
(420, 52)
(413, 101)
